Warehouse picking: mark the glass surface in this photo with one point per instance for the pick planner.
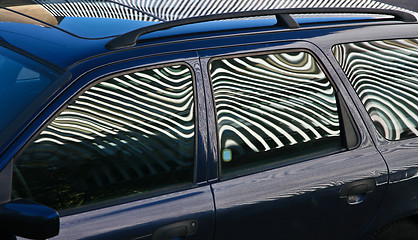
(385, 76)
(22, 81)
(272, 108)
(127, 135)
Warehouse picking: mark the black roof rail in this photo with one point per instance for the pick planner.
(282, 15)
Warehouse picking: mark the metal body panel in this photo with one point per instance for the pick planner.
(132, 218)
(400, 156)
(32, 39)
(140, 219)
(295, 201)
(402, 197)
(300, 200)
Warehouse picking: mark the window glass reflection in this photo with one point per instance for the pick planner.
(130, 134)
(385, 76)
(273, 107)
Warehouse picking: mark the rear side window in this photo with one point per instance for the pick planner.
(273, 108)
(384, 75)
(130, 134)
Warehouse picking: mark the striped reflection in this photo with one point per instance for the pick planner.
(178, 9)
(272, 101)
(136, 129)
(94, 8)
(384, 74)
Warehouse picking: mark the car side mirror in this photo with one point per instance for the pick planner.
(28, 219)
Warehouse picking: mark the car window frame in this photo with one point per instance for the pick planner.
(350, 141)
(355, 95)
(103, 77)
(16, 127)
(363, 34)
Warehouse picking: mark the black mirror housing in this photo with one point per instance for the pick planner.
(28, 219)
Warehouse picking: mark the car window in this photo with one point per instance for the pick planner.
(385, 76)
(273, 108)
(23, 80)
(130, 134)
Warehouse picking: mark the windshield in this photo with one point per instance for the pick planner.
(24, 82)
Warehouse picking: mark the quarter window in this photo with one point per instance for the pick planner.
(24, 81)
(130, 134)
(384, 75)
(273, 108)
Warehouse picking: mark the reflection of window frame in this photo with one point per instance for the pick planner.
(128, 197)
(349, 134)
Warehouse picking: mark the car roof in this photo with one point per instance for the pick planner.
(283, 19)
(45, 32)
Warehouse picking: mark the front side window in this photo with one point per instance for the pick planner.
(130, 134)
(272, 108)
(384, 75)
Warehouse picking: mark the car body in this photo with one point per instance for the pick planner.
(287, 127)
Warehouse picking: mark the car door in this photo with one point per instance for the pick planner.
(291, 156)
(120, 154)
(381, 75)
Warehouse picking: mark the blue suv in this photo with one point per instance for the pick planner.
(272, 124)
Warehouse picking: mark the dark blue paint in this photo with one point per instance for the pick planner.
(400, 156)
(211, 27)
(29, 219)
(295, 201)
(161, 202)
(49, 43)
(141, 218)
(99, 27)
(300, 200)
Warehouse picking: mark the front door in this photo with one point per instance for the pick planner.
(121, 160)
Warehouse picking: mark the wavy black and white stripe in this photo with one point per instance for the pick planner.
(178, 9)
(94, 9)
(271, 101)
(124, 128)
(385, 76)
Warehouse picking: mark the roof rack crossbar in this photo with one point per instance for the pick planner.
(282, 15)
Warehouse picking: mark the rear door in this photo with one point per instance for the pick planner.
(120, 153)
(291, 157)
(382, 76)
